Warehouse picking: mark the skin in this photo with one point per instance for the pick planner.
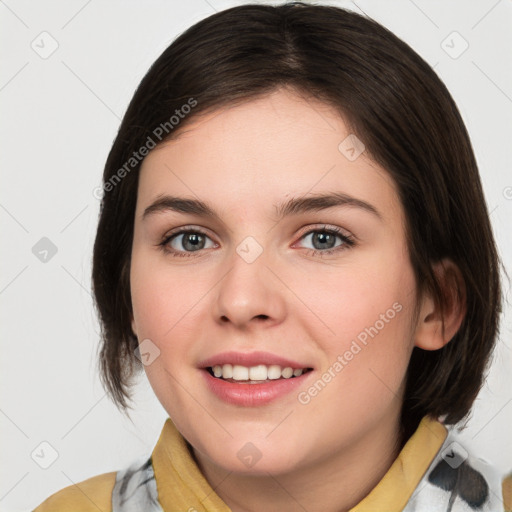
(327, 454)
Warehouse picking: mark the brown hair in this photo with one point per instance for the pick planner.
(392, 100)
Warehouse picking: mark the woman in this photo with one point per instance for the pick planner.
(294, 245)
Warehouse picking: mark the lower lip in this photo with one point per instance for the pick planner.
(251, 395)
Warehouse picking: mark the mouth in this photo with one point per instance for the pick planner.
(254, 379)
(259, 374)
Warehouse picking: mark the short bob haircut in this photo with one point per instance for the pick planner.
(391, 99)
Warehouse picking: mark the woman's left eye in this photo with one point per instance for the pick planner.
(187, 241)
(324, 240)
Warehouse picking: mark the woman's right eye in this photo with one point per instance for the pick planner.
(185, 242)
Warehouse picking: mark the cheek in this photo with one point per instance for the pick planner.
(376, 291)
(163, 301)
(366, 321)
(164, 310)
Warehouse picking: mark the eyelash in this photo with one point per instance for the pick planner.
(347, 240)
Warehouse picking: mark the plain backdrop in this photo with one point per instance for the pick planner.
(68, 72)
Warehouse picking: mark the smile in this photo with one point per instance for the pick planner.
(254, 374)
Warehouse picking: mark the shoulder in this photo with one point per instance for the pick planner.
(91, 495)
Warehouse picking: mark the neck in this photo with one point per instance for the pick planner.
(335, 483)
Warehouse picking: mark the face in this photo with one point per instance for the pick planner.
(241, 275)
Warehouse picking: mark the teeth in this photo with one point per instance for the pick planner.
(255, 373)
(258, 372)
(274, 372)
(227, 371)
(240, 372)
(287, 372)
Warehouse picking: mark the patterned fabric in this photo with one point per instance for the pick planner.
(135, 489)
(457, 482)
(454, 482)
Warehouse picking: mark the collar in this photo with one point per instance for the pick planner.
(182, 486)
(396, 487)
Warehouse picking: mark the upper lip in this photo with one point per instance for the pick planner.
(250, 359)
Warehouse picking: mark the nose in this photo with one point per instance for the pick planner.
(249, 293)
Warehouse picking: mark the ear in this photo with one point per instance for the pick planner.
(430, 332)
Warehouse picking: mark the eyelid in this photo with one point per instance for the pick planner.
(325, 227)
(187, 229)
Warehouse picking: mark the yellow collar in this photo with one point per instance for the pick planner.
(396, 487)
(182, 486)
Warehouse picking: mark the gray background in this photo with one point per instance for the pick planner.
(60, 113)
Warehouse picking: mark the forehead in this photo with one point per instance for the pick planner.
(259, 152)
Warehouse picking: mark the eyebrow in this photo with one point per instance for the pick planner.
(294, 206)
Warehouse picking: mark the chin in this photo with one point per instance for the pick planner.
(252, 459)
(257, 454)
